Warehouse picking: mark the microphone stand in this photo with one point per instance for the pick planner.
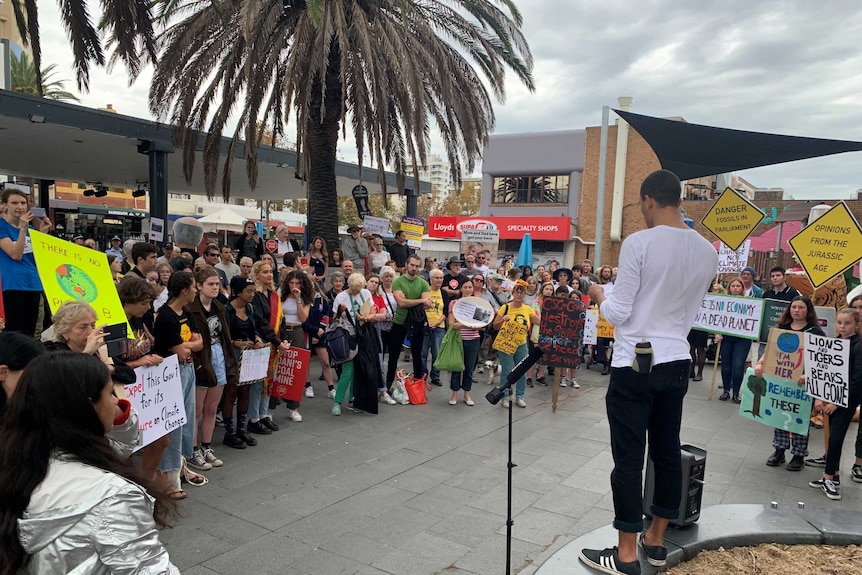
(494, 396)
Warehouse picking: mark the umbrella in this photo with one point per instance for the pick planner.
(525, 253)
(225, 220)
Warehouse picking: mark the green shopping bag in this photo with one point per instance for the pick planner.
(451, 354)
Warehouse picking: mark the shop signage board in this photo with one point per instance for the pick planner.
(732, 218)
(828, 246)
(557, 228)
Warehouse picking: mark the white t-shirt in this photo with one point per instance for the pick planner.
(484, 269)
(230, 270)
(353, 303)
(662, 275)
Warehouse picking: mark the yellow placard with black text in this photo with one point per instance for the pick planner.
(829, 245)
(512, 334)
(604, 328)
(732, 218)
(69, 271)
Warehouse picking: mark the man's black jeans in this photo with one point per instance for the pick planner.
(396, 340)
(636, 404)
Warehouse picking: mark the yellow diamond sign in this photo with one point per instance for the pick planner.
(829, 245)
(732, 218)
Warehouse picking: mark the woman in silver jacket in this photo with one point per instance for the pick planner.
(71, 502)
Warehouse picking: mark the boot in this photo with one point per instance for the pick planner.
(241, 432)
(230, 437)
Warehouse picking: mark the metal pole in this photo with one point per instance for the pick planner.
(600, 195)
(412, 202)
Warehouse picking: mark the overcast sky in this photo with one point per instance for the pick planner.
(778, 66)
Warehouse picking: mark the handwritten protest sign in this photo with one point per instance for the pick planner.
(775, 403)
(510, 336)
(157, 396)
(375, 225)
(254, 365)
(69, 271)
(772, 310)
(591, 327)
(288, 381)
(730, 315)
(827, 368)
(561, 331)
(784, 354)
(733, 262)
(604, 329)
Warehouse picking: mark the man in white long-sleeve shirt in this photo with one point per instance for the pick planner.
(659, 288)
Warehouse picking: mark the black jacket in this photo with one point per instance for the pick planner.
(204, 372)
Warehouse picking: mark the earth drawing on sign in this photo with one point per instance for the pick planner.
(76, 283)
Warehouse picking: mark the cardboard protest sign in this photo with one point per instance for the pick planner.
(730, 315)
(561, 331)
(733, 261)
(157, 229)
(253, 365)
(772, 310)
(604, 329)
(474, 241)
(157, 396)
(375, 225)
(827, 368)
(414, 229)
(775, 403)
(591, 327)
(69, 271)
(288, 381)
(784, 355)
(509, 337)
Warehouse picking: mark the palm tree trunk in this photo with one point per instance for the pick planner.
(322, 146)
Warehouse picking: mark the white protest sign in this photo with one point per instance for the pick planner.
(374, 225)
(254, 365)
(827, 368)
(730, 315)
(473, 312)
(157, 229)
(157, 396)
(591, 327)
(733, 262)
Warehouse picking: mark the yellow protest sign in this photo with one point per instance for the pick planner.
(732, 218)
(829, 245)
(414, 229)
(69, 271)
(511, 335)
(605, 329)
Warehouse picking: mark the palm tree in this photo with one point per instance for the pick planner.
(127, 26)
(385, 68)
(26, 81)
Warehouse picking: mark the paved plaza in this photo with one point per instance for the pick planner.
(422, 489)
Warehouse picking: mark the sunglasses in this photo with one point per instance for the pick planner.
(480, 280)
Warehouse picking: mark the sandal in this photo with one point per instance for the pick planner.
(192, 478)
(178, 494)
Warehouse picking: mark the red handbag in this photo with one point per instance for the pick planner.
(416, 390)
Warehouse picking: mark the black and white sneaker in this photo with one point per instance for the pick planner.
(817, 484)
(831, 490)
(816, 461)
(607, 561)
(856, 473)
(656, 554)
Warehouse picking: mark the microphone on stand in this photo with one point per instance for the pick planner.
(495, 395)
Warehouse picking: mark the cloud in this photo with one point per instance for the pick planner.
(781, 66)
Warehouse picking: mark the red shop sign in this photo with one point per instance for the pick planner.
(557, 228)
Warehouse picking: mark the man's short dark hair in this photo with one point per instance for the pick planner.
(413, 257)
(180, 264)
(578, 268)
(662, 186)
(399, 233)
(778, 269)
(142, 250)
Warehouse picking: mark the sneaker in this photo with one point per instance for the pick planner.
(219, 420)
(331, 393)
(816, 461)
(499, 368)
(520, 402)
(563, 382)
(309, 391)
(724, 396)
(529, 382)
(336, 409)
(737, 399)
(797, 462)
(607, 561)
(541, 380)
(856, 473)
(269, 423)
(293, 415)
(505, 404)
(575, 384)
(245, 436)
(831, 490)
(386, 398)
(818, 483)
(776, 459)
(197, 461)
(210, 457)
(656, 554)
(437, 382)
(259, 428)
(233, 441)
(353, 409)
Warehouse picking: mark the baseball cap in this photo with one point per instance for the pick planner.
(168, 246)
(116, 239)
(77, 237)
(497, 277)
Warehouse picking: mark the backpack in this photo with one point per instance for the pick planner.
(340, 345)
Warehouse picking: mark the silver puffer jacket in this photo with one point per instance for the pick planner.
(85, 520)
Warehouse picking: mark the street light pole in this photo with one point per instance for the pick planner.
(412, 202)
(600, 195)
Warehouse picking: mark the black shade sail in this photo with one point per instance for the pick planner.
(692, 150)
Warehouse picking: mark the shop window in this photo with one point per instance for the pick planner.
(531, 190)
(539, 246)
